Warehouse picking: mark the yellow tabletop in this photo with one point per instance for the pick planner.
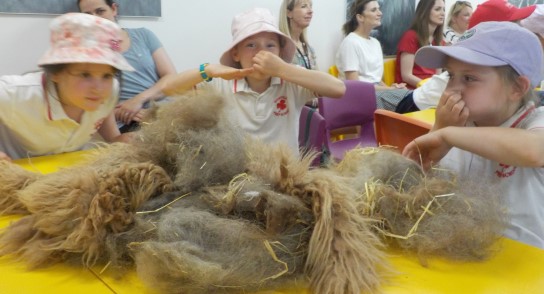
(516, 268)
(427, 115)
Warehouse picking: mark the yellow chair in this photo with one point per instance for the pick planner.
(333, 71)
(422, 82)
(389, 71)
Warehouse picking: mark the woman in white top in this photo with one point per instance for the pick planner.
(360, 56)
(458, 19)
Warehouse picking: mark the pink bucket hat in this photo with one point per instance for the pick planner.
(84, 38)
(252, 22)
(491, 43)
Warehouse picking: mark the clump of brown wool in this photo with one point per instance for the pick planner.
(195, 246)
(429, 214)
(457, 219)
(73, 210)
(194, 140)
(12, 179)
(344, 255)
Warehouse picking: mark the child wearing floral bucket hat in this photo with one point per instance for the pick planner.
(487, 124)
(60, 108)
(256, 77)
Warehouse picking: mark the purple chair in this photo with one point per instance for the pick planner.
(311, 135)
(355, 109)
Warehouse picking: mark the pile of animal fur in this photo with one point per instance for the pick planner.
(196, 207)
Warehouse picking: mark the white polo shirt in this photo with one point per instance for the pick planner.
(272, 116)
(524, 186)
(31, 125)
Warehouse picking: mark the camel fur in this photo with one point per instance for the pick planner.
(197, 207)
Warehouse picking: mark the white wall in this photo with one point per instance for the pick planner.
(192, 32)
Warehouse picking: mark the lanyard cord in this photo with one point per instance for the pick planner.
(305, 57)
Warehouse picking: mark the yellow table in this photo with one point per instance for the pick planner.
(427, 115)
(517, 268)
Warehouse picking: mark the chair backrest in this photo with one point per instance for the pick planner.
(311, 134)
(333, 70)
(398, 130)
(389, 71)
(355, 108)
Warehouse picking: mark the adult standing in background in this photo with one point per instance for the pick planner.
(426, 29)
(295, 17)
(145, 53)
(458, 19)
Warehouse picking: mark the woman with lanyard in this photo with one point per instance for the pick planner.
(295, 17)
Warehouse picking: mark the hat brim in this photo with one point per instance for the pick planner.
(85, 55)
(287, 52)
(522, 13)
(436, 57)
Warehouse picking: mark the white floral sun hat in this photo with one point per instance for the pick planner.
(84, 38)
(252, 22)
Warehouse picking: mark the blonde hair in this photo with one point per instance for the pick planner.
(510, 76)
(284, 23)
(456, 9)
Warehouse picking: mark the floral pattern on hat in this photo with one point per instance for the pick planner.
(84, 38)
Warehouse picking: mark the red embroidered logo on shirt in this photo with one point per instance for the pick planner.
(505, 170)
(281, 106)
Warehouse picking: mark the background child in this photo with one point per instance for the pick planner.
(59, 109)
(487, 124)
(143, 50)
(257, 78)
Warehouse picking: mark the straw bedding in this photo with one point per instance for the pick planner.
(196, 207)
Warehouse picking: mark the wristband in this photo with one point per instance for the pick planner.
(203, 72)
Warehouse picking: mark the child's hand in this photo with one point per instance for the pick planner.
(226, 72)
(4, 156)
(128, 110)
(427, 149)
(451, 111)
(268, 63)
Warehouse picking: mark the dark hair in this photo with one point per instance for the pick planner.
(53, 68)
(420, 24)
(357, 7)
(108, 2)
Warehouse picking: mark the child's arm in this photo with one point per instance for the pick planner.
(407, 61)
(499, 144)
(321, 83)
(183, 81)
(110, 133)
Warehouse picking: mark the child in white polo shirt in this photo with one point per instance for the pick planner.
(487, 124)
(256, 77)
(59, 109)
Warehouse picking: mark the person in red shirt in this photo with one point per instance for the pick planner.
(426, 29)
